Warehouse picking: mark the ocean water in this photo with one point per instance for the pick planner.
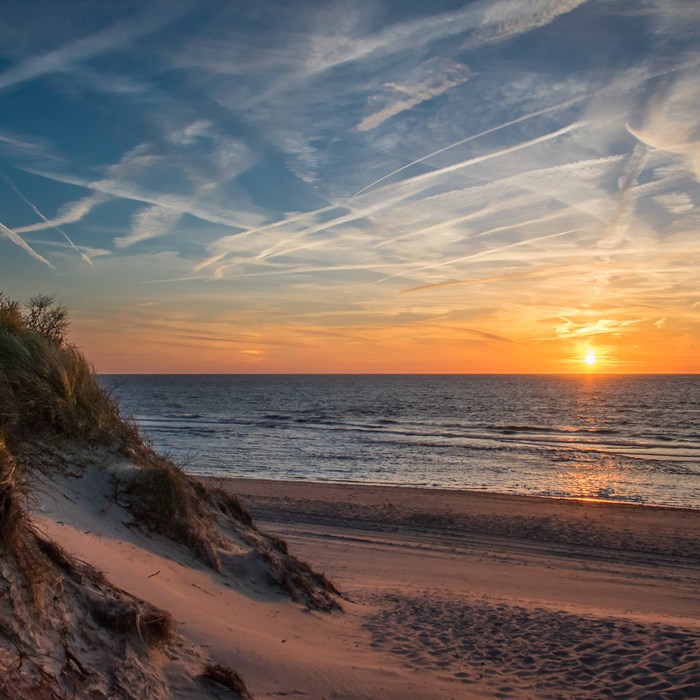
(622, 438)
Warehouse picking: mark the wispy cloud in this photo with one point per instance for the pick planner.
(615, 231)
(488, 22)
(434, 79)
(149, 223)
(508, 172)
(474, 137)
(676, 202)
(484, 253)
(69, 213)
(603, 326)
(136, 178)
(671, 125)
(23, 144)
(117, 36)
(508, 18)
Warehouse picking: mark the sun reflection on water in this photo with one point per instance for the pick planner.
(599, 479)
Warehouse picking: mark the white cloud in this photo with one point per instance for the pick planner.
(188, 134)
(603, 326)
(149, 223)
(619, 224)
(676, 202)
(429, 80)
(69, 213)
(492, 21)
(671, 123)
(29, 145)
(508, 18)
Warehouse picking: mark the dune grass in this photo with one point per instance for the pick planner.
(162, 498)
(227, 677)
(17, 541)
(46, 385)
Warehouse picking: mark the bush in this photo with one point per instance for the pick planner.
(41, 315)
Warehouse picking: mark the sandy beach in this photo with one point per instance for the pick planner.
(506, 596)
(446, 594)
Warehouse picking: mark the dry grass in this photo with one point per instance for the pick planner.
(127, 617)
(165, 500)
(17, 540)
(89, 639)
(50, 388)
(50, 397)
(229, 505)
(227, 677)
(133, 620)
(11, 513)
(301, 583)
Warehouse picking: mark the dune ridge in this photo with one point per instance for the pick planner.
(66, 629)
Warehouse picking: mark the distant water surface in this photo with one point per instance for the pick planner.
(623, 438)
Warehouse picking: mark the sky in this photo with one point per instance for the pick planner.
(218, 186)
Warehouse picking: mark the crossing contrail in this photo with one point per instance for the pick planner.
(512, 122)
(523, 118)
(82, 255)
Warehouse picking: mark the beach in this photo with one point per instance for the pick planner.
(446, 594)
(502, 596)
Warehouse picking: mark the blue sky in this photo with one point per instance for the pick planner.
(357, 186)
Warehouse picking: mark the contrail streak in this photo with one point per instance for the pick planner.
(18, 240)
(493, 129)
(482, 253)
(496, 154)
(482, 280)
(82, 255)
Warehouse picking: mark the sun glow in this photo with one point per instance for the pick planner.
(590, 358)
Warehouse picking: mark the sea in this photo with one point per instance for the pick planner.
(623, 438)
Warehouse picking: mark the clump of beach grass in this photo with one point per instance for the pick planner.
(227, 677)
(162, 498)
(65, 631)
(46, 384)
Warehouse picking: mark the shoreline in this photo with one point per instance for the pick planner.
(623, 528)
(213, 478)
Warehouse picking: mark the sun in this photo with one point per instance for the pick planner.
(590, 358)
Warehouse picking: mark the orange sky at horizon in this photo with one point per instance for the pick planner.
(183, 347)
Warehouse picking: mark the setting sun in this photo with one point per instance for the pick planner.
(590, 358)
